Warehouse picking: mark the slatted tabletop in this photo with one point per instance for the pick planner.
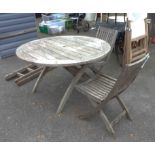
(64, 50)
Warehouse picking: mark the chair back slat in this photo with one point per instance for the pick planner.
(127, 76)
(108, 35)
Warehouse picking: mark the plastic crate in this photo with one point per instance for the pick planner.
(53, 16)
(68, 24)
(58, 22)
(52, 27)
(56, 26)
(55, 30)
(43, 29)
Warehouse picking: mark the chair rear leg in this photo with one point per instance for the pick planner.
(124, 107)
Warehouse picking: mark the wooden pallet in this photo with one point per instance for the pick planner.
(25, 74)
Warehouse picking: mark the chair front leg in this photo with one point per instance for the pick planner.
(107, 122)
(103, 117)
(94, 111)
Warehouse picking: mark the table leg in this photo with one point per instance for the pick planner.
(70, 89)
(39, 79)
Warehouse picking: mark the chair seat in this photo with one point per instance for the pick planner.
(97, 88)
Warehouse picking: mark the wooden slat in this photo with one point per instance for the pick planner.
(88, 50)
(109, 77)
(100, 86)
(100, 89)
(103, 84)
(65, 53)
(106, 83)
(110, 82)
(139, 52)
(91, 92)
(138, 57)
(28, 74)
(19, 74)
(30, 69)
(93, 88)
(96, 88)
(137, 49)
(27, 79)
(109, 35)
(12, 75)
(71, 50)
(64, 50)
(25, 74)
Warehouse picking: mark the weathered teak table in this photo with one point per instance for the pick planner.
(64, 51)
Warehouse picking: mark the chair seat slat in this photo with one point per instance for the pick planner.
(109, 77)
(95, 90)
(98, 88)
(102, 85)
(90, 92)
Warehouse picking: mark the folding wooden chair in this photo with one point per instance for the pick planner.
(106, 34)
(109, 35)
(103, 88)
(136, 40)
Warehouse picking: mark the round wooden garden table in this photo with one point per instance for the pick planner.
(64, 51)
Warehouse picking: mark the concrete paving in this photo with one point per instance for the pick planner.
(32, 117)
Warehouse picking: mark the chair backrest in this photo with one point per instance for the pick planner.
(136, 40)
(108, 35)
(127, 76)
